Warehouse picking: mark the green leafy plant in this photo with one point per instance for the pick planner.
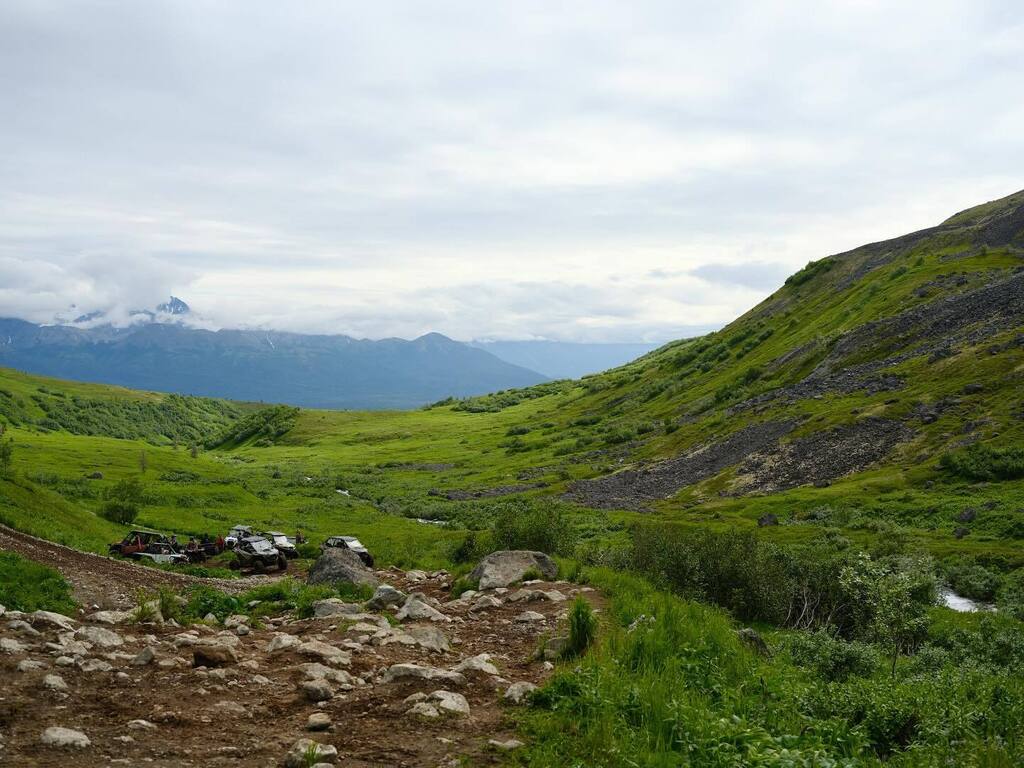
(582, 627)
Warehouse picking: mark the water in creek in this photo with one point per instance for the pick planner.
(951, 599)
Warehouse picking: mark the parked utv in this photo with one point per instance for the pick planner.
(284, 545)
(236, 534)
(350, 542)
(258, 554)
(147, 545)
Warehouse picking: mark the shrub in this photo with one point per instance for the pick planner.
(28, 586)
(983, 462)
(582, 628)
(832, 658)
(120, 512)
(972, 580)
(812, 270)
(543, 526)
(6, 454)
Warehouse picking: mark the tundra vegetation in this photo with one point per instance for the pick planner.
(772, 511)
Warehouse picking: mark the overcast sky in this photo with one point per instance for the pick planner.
(591, 171)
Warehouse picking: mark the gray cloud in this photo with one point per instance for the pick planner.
(755, 275)
(578, 170)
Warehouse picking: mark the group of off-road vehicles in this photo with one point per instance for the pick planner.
(258, 552)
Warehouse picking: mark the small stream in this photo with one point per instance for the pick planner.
(951, 599)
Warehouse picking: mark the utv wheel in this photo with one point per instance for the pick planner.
(233, 565)
(282, 563)
(259, 567)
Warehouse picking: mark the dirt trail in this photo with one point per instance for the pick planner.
(253, 709)
(105, 581)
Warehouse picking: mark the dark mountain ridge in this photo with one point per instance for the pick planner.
(316, 371)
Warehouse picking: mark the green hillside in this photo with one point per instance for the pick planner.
(862, 428)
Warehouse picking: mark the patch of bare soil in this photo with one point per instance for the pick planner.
(252, 710)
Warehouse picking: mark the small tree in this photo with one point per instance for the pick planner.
(6, 454)
(194, 451)
(143, 462)
(124, 502)
(900, 620)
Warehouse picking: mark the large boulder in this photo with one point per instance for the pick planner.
(500, 569)
(340, 566)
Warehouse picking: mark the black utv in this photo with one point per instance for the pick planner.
(258, 554)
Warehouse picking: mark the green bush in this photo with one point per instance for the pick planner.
(120, 512)
(972, 580)
(543, 526)
(124, 501)
(28, 586)
(582, 628)
(983, 462)
(832, 658)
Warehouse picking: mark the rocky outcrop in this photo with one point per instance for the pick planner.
(340, 566)
(500, 569)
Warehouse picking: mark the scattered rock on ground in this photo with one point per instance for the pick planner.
(56, 736)
(420, 672)
(302, 749)
(518, 692)
(385, 595)
(213, 655)
(318, 721)
(416, 608)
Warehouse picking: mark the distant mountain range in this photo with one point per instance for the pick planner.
(565, 360)
(159, 352)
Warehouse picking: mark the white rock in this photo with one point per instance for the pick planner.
(23, 627)
(282, 642)
(416, 607)
(479, 663)
(10, 645)
(94, 665)
(318, 721)
(141, 725)
(55, 736)
(507, 745)
(144, 657)
(529, 616)
(423, 709)
(49, 618)
(333, 606)
(518, 692)
(485, 602)
(54, 683)
(301, 749)
(105, 638)
(419, 672)
(236, 620)
(329, 653)
(109, 617)
(30, 665)
(450, 703)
